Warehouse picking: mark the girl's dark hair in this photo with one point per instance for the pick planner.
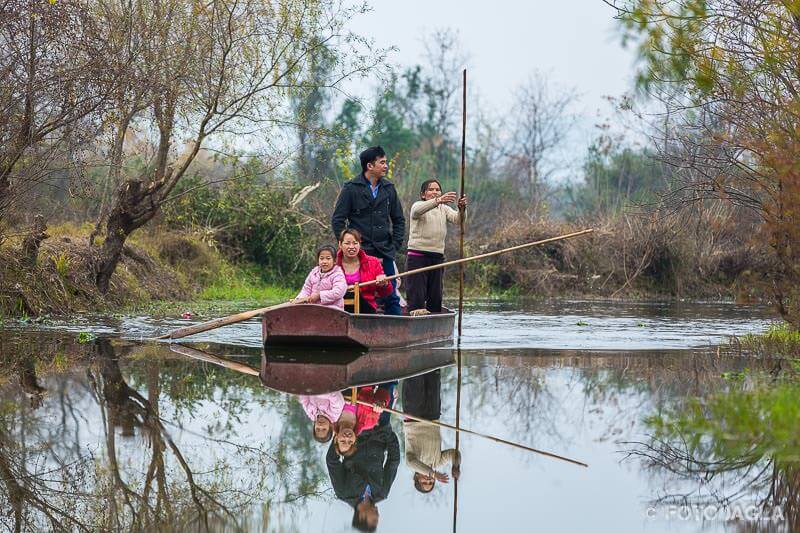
(326, 248)
(350, 231)
(425, 185)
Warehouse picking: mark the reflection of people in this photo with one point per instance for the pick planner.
(423, 442)
(369, 204)
(359, 268)
(325, 284)
(429, 218)
(364, 479)
(324, 410)
(355, 419)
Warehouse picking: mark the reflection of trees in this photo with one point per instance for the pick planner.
(737, 448)
(154, 500)
(65, 464)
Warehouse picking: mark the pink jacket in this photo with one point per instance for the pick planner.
(328, 405)
(330, 285)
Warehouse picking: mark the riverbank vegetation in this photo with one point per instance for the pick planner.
(212, 170)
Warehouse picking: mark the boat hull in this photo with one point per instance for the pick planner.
(319, 326)
(304, 372)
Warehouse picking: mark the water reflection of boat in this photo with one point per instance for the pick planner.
(318, 372)
(322, 372)
(320, 326)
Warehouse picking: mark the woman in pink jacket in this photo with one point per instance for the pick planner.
(325, 284)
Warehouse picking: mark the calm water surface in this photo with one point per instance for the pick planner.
(120, 434)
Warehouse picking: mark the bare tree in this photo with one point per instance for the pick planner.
(54, 88)
(224, 67)
(540, 122)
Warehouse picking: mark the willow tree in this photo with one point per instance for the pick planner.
(730, 71)
(212, 70)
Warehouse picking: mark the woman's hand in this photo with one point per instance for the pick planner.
(462, 202)
(442, 478)
(380, 280)
(313, 298)
(446, 198)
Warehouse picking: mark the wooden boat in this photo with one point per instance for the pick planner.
(316, 372)
(319, 373)
(311, 325)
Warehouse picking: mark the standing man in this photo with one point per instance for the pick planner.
(369, 203)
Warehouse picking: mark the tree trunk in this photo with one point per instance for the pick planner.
(32, 242)
(133, 207)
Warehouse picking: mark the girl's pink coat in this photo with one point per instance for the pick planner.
(330, 285)
(328, 405)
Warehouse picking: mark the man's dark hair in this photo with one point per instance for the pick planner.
(370, 155)
(360, 525)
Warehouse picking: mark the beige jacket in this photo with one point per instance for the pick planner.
(424, 448)
(429, 225)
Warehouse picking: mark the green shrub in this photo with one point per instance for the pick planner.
(248, 221)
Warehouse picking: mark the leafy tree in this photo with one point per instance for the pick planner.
(727, 71)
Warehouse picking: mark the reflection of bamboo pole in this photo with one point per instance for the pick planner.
(215, 359)
(464, 430)
(458, 427)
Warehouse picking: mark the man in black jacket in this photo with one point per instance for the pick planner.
(369, 203)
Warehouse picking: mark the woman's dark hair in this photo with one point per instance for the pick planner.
(350, 231)
(326, 248)
(425, 185)
(419, 487)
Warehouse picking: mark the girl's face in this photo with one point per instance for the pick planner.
(322, 427)
(350, 246)
(325, 260)
(434, 190)
(346, 438)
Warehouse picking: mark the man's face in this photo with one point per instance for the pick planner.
(379, 167)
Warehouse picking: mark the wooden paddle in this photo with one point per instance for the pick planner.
(219, 322)
(464, 430)
(247, 315)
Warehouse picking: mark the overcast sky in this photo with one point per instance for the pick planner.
(575, 42)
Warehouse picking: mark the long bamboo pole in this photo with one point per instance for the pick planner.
(464, 430)
(461, 213)
(481, 256)
(460, 208)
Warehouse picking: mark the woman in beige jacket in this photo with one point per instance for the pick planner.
(429, 218)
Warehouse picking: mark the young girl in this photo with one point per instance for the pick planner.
(429, 218)
(325, 284)
(324, 410)
(356, 419)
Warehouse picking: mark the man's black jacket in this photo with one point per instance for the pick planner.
(375, 462)
(372, 217)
